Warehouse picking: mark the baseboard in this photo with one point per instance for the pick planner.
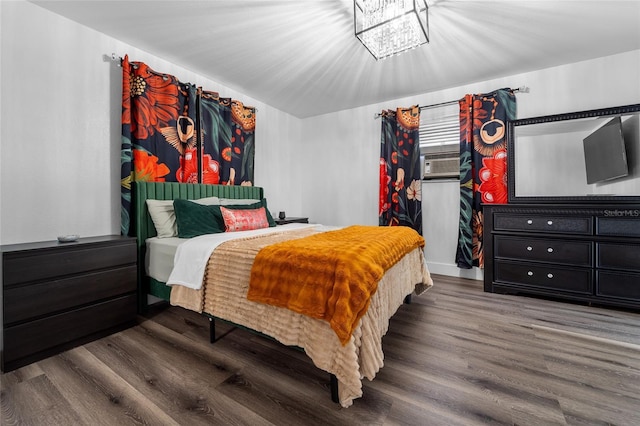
(453, 271)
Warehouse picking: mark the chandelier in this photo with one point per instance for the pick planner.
(388, 27)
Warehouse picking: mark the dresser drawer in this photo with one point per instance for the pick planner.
(577, 253)
(36, 336)
(27, 301)
(543, 223)
(619, 226)
(574, 280)
(618, 284)
(30, 266)
(618, 256)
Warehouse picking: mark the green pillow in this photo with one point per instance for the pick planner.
(194, 219)
(263, 203)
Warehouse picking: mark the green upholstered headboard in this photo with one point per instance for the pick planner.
(143, 225)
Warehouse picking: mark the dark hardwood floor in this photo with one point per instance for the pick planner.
(455, 356)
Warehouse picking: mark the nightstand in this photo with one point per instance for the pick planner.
(291, 220)
(61, 295)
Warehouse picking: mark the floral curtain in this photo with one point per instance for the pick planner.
(175, 132)
(483, 167)
(228, 140)
(400, 180)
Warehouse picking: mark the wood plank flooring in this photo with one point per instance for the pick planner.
(454, 356)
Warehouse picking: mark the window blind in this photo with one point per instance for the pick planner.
(440, 128)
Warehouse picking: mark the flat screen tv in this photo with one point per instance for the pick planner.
(605, 155)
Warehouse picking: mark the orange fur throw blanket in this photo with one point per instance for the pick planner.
(331, 275)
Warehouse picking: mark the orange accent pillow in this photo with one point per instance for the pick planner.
(244, 220)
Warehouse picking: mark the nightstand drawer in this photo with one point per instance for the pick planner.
(20, 267)
(36, 300)
(577, 253)
(36, 336)
(543, 223)
(618, 256)
(575, 280)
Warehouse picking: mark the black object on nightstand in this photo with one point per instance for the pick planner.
(291, 220)
(61, 295)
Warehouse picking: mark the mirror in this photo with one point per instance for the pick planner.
(588, 156)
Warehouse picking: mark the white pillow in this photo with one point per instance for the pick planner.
(163, 215)
(208, 201)
(237, 201)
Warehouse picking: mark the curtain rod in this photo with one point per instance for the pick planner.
(115, 58)
(118, 60)
(522, 89)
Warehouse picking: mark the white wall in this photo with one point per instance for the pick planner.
(60, 133)
(343, 185)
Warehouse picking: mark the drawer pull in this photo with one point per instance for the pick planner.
(549, 275)
(530, 273)
(529, 248)
(549, 222)
(550, 250)
(529, 222)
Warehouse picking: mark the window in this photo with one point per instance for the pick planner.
(440, 141)
(440, 128)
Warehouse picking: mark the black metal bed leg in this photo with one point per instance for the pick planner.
(333, 383)
(212, 330)
(407, 299)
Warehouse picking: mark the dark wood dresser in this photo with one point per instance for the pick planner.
(586, 253)
(60, 295)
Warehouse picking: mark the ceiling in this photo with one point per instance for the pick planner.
(302, 56)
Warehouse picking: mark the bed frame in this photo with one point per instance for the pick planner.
(144, 228)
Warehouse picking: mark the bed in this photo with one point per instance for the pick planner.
(349, 356)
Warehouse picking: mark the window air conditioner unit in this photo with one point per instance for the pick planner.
(442, 165)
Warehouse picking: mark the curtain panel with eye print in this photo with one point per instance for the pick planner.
(483, 167)
(177, 132)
